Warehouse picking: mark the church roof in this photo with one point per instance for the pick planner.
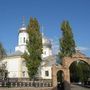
(16, 53)
(46, 41)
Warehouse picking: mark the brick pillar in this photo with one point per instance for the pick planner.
(67, 80)
(67, 75)
(54, 76)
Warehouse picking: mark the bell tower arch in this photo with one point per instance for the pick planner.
(22, 37)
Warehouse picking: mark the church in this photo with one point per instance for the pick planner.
(15, 64)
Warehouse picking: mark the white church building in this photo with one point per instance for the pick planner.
(15, 64)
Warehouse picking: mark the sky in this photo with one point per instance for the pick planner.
(50, 14)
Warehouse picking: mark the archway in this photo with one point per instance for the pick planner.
(66, 63)
(60, 80)
(79, 71)
(60, 76)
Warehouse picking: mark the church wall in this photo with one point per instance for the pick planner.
(46, 72)
(16, 67)
(13, 66)
(46, 52)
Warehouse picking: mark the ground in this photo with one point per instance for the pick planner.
(27, 88)
(73, 87)
(76, 87)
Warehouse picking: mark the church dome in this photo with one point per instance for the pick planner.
(22, 29)
(46, 42)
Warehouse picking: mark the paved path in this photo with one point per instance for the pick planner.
(76, 87)
(73, 87)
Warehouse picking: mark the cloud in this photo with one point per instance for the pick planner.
(81, 48)
(55, 48)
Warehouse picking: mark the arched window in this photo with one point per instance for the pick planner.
(46, 73)
(24, 40)
(23, 73)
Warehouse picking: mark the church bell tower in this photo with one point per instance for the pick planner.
(22, 38)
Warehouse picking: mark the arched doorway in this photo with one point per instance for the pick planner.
(60, 76)
(60, 80)
(79, 72)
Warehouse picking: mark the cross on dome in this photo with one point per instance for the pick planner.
(23, 21)
(23, 26)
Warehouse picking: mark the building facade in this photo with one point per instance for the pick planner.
(15, 64)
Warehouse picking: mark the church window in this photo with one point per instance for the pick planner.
(24, 40)
(5, 65)
(46, 73)
(23, 73)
